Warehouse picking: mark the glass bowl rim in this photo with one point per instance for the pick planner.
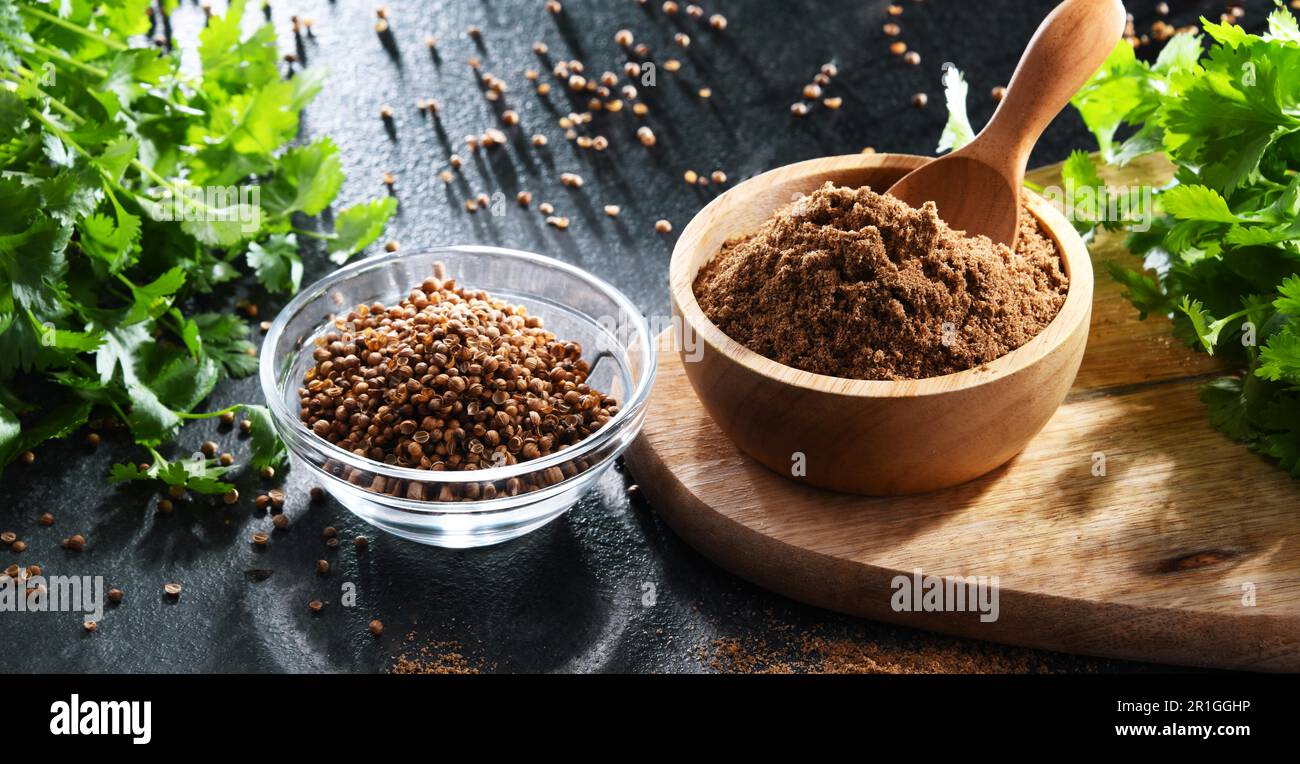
(296, 435)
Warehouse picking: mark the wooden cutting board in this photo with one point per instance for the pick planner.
(1186, 551)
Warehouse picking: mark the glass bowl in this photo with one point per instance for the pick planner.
(461, 509)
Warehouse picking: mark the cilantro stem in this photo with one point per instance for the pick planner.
(57, 55)
(83, 31)
(315, 234)
(209, 414)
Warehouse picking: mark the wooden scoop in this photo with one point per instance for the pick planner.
(977, 188)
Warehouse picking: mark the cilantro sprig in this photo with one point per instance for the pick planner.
(109, 159)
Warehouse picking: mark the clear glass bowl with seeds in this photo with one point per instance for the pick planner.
(465, 508)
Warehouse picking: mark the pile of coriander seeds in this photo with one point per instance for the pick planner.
(449, 379)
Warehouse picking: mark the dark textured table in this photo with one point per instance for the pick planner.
(607, 587)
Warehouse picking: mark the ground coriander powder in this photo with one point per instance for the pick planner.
(851, 283)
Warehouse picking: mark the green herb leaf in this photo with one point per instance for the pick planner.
(359, 225)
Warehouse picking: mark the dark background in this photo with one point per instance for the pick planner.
(568, 597)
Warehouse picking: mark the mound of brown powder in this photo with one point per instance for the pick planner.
(851, 283)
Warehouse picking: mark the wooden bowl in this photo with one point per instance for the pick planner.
(871, 437)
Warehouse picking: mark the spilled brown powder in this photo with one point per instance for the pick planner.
(851, 283)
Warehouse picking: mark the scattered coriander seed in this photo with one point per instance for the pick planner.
(227, 418)
(209, 448)
(331, 543)
(264, 326)
(316, 494)
(386, 112)
(612, 210)
(262, 501)
(231, 496)
(683, 40)
(694, 11)
(75, 542)
(115, 595)
(920, 100)
(539, 140)
(18, 546)
(28, 457)
(629, 92)
(812, 92)
(834, 102)
(553, 7)
(90, 626)
(1163, 8)
(633, 491)
(558, 222)
(455, 161)
(999, 93)
(640, 109)
(895, 10)
(670, 7)
(474, 32)
(571, 180)
(277, 498)
(891, 29)
(281, 522)
(632, 70)
(173, 590)
(165, 506)
(545, 208)
(718, 22)
(381, 27)
(13, 570)
(584, 141)
(330, 532)
(623, 38)
(540, 48)
(176, 491)
(93, 440)
(912, 57)
(641, 50)
(646, 136)
(663, 226)
(614, 105)
(382, 12)
(799, 109)
(483, 200)
(672, 65)
(474, 62)
(446, 176)
(600, 143)
(8, 537)
(391, 246)
(376, 627)
(245, 426)
(898, 47)
(388, 179)
(33, 570)
(267, 472)
(719, 177)
(524, 198)
(260, 538)
(430, 42)
(830, 69)
(510, 117)
(822, 79)
(315, 606)
(691, 177)
(705, 93)
(361, 542)
(46, 519)
(322, 566)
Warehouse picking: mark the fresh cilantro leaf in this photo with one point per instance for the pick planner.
(276, 263)
(267, 449)
(308, 180)
(958, 131)
(359, 225)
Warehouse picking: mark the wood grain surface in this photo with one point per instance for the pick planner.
(1186, 551)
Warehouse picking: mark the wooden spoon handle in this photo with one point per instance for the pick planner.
(1069, 46)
